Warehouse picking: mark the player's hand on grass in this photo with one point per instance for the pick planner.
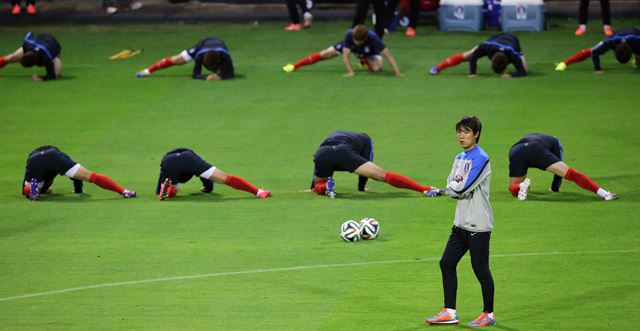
(599, 72)
(399, 74)
(348, 74)
(213, 77)
(473, 76)
(505, 75)
(561, 66)
(36, 78)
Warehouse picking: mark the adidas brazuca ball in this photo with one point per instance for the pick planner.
(350, 231)
(369, 228)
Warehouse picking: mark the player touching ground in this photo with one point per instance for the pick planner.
(353, 152)
(469, 183)
(179, 165)
(210, 52)
(537, 150)
(625, 43)
(366, 46)
(42, 51)
(46, 162)
(502, 49)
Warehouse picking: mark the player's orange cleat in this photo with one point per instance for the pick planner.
(580, 30)
(292, 27)
(608, 31)
(16, 10)
(410, 32)
(485, 319)
(443, 317)
(263, 194)
(31, 9)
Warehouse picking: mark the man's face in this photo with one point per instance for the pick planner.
(359, 42)
(466, 138)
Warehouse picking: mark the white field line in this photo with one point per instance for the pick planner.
(285, 269)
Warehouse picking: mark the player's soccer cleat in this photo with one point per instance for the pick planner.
(434, 71)
(31, 9)
(289, 68)
(608, 31)
(16, 10)
(308, 18)
(434, 192)
(410, 32)
(580, 30)
(263, 194)
(524, 189)
(483, 320)
(610, 196)
(331, 188)
(33, 189)
(128, 194)
(443, 317)
(292, 27)
(164, 189)
(561, 66)
(143, 73)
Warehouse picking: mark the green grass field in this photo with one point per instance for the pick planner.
(229, 261)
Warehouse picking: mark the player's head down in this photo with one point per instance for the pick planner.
(470, 123)
(211, 60)
(623, 52)
(359, 34)
(29, 59)
(499, 62)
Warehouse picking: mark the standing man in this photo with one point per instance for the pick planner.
(305, 8)
(379, 10)
(542, 151)
(605, 8)
(353, 152)
(42, 51)
(468, 183)
(210, 52)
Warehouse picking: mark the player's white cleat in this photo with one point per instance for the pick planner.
(610, 196)
(289, 68)
(143, 73)
(524, 189)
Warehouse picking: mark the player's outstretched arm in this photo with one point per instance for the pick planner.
(347, 63)
(392, 62)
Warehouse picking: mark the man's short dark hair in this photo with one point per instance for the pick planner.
(623, 52)
(360, 33)
(471, 122)
(499, 62)
(211, 60)
(29, 59)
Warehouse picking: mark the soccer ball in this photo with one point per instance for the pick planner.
(370, 228)
(350, 231)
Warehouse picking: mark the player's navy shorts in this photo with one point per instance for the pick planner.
(529, 155)
(47, 162)
(336, 158)
(182, 164)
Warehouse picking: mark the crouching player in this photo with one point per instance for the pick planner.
(366, 45)
(42, 51)
(353, 152)
(469, 183)
(210, 52)
(179, 165)
(537, 150)
(46, 162)
(625, 43)
(502, 49)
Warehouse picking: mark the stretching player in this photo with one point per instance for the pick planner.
(179, 165)
(353, 152)
(502, 49)
(42, 51)
(46, 162)
(544, 152)
(366, 45)
(210, 52)
(625, 43)
(469, 183)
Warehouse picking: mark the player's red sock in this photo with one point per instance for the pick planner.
(579, 56)
(320, 187)
(582, 180)
(3, 62)
(401, 181)
(451, 61)
(105, 182)
(164, 63)
(240, 183)
(514, 189)
(307, 60)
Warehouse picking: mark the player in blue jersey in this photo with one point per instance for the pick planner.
(46, 162)
(469, 183)
(625, 44)
(212, 53)
(366, 46)
(502, 49)
(542, 151)
(353, 152)
(42, 51)
(181, 164)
